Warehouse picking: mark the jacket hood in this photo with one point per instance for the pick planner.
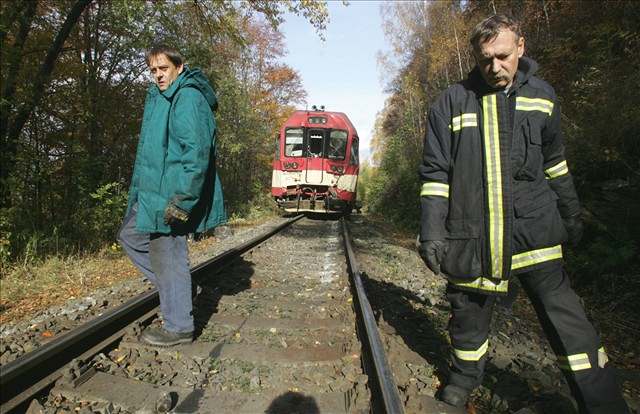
(527, 67)
(193, 78)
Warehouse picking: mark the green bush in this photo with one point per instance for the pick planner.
(105, 216)
(5, 237)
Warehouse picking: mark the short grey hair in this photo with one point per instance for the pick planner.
(490, 27)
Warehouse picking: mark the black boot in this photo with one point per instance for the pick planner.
(455, 395)
(162, 337)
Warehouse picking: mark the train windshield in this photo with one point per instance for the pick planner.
(316, 141)
(293, 142)
(354, 152)
(337, 145)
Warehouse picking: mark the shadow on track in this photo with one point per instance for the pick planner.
(230, 280)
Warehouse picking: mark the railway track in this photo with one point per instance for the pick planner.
(285, 327)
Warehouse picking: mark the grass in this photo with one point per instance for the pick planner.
(33, 284)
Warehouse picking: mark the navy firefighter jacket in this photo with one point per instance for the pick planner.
(495, 182)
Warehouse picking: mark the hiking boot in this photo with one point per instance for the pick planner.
(162, 337)
(455, 395)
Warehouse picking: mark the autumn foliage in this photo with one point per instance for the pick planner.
(73, 86)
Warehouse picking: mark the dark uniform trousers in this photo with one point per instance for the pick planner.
(572, 337)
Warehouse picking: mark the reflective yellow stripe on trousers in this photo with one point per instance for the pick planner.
(494, 182)
(602, 357)
(575, 362)
(472, 355)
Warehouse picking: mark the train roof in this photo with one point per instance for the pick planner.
(338, 120)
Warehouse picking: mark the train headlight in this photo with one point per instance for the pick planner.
(337, 169)
(290, 165)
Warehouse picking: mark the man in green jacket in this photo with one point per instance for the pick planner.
(174, 189)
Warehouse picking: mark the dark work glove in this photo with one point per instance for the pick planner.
(573, 225)
(433, 252)
(174, 214)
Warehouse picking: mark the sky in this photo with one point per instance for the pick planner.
(341, 72)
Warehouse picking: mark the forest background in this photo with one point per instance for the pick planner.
(74, 80)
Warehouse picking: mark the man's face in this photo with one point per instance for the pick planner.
(498, 58)
(164, 72)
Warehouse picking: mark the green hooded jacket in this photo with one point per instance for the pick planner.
(175, 160)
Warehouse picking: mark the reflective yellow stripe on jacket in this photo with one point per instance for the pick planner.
(491, 137)
(534, 104)
(463, 121)
(483, 283)
(518, 261)
(473, 355)
(435, 189)
(557, 170)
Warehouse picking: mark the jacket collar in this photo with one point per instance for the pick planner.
(175, 85)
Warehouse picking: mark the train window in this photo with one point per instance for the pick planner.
(354, 152)
(337, 145)
(317, 120)
(293, 142)
(277, 147)
(315, 143)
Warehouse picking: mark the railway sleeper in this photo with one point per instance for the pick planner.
(132, 395)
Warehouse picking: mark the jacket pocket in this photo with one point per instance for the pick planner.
(538, 224)
(524, 207)
(532, 165)
(463, 258)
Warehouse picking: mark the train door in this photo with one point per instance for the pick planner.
(315, 156)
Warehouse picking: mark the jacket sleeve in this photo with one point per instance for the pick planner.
(434, 175)
(556, 170)
(191, 127)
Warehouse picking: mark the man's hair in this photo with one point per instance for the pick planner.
(491, 27)
(170, 52)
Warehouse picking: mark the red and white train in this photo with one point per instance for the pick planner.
(316, 163)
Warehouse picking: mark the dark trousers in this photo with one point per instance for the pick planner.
(572, 337)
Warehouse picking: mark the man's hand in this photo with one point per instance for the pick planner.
(174, 215)
(433, 252)
(574, 228)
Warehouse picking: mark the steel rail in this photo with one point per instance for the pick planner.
(32, 372)
(384, 376)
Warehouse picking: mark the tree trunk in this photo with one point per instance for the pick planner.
(39, 83)
(15, 61)
(455, 34)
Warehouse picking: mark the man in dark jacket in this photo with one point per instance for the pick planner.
(174, 189)
(498, 201)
